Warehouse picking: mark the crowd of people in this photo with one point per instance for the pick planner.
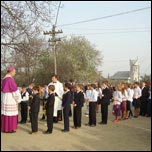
(128, 101)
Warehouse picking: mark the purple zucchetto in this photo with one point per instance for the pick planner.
(9, 69)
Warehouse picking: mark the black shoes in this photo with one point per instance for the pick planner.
(102, 123)
(93, 125)
(22, 122)
(33, 132)
(47, 132)
(63, 130)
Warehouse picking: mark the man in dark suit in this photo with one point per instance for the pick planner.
(66, 101)
(105, 101)
(144, 99)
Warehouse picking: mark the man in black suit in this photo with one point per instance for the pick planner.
(144, 99)
(105, 101)
(66, 102)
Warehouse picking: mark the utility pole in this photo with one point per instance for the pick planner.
(54, 40)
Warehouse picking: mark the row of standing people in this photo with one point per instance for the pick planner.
(127, 96)
(123, 97)
(9, 87)
(76, 97)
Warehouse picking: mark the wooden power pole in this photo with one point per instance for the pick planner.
(54, 40)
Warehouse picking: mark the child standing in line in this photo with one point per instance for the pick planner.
(24, 104)
(117, 99)
(77, 106)
(92, 106)
(66, 103)
(34, 110)
(50, 108)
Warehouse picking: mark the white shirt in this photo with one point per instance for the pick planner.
(87, 94)
(130, 94)
(118, 97)
(93, 96)
(26, 97)
(99, 92)
(137, 92)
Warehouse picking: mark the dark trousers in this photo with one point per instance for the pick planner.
(104, 113)
(55, 119)
(49, 115)
(92, 113)
(43, 109)
(149, 107)
(70, 113)
(143, 107)
(24, 108)
(66, 117)
(77, 116)
(59, 115)
(34, 121)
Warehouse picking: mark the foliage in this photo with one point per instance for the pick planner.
(77, 59)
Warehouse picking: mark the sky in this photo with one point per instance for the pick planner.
(118, 38)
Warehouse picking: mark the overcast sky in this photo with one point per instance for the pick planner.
(119, 38)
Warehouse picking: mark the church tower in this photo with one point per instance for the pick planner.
(134, 70)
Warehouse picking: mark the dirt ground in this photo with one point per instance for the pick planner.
(128, 135)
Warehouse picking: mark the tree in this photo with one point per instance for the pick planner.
(21, 21)
(76, 59)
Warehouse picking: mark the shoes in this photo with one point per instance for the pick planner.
(148, 115)
(74, 127)
(60, 119)
(92, 125)
(103, 123)
(23, 122)
(33, 132)
(115, 120)
(63, 130)
(55, 121)
(47, 132)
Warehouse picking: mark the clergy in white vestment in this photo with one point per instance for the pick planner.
(58, 98)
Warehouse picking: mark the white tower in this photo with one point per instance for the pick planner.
(134, 70)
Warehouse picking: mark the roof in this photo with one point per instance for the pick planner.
(121, 75)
